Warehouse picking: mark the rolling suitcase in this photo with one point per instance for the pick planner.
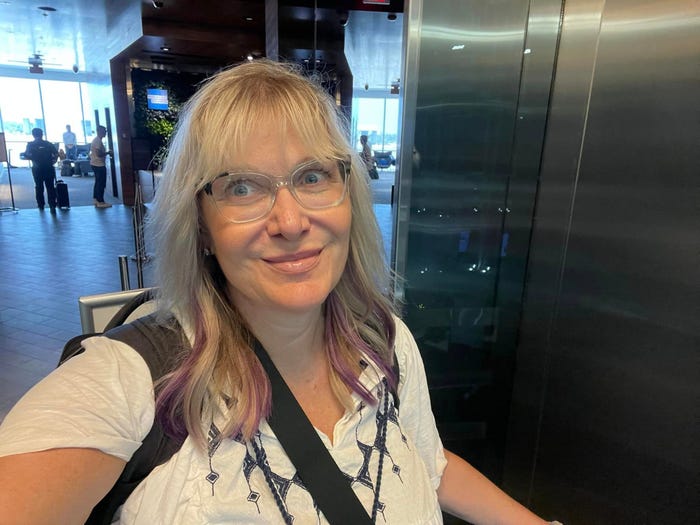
(62, 200)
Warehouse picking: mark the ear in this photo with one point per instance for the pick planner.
(205, 241)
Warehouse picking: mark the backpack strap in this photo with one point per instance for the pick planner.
(397, 374)
(129, 307)
(159, 343)
(74, 345)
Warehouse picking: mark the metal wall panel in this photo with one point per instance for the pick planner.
(606, 402)
(468, 137)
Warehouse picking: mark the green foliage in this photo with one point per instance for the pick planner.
(157, 126)
(160, 126)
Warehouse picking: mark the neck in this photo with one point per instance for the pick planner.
(293, 341)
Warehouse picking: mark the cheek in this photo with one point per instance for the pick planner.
(212, 223)
(347, 223)
(342, 234)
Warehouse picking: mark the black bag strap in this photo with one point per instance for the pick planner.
(129, 307)
(74, 345)
(316, 468)
(159, 343)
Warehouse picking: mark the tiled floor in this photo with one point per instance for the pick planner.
(47, 263)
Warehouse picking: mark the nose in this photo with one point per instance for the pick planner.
(287, 217)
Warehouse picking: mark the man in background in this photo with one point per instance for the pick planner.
(70, 142)
(43, 155)
(97, 164)
(368, 158)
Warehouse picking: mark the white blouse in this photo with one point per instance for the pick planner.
(104, 399)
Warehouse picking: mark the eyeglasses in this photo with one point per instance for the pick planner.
(244, 196)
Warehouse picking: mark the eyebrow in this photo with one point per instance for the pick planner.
(308, 160)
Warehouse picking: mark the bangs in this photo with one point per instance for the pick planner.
(230, 110)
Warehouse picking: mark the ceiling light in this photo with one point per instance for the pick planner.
(457, 47)
(249, 18)
(164, 48)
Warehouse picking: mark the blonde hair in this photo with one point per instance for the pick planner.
(211, 133)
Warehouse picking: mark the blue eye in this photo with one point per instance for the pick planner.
(313, 177)
(240, 188)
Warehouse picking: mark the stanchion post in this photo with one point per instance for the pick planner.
(4, 157)
(124, 272)
(141, 256)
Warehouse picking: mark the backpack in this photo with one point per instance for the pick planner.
(43, 154)
(154, 339)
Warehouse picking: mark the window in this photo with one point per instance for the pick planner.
(27, 103)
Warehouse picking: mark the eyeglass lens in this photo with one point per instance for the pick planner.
(246, 196)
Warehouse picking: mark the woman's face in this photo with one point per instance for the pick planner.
(292, 258)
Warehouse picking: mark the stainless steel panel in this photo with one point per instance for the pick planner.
(463, 150)
(611, 330)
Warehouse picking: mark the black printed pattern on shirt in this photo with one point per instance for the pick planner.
(280, 486)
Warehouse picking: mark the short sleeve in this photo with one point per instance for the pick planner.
(102, 399)
(415, 411)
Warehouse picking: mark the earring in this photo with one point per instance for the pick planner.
(207, 252)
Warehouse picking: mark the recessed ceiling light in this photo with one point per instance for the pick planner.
(249, 18)
(457, 47)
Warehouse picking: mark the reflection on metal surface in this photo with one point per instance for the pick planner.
(608, 382)
(463, 229)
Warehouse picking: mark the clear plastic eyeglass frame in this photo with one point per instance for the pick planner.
(261, 208)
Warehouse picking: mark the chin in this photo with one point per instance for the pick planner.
(302, 299)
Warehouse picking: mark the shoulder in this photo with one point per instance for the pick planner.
(411, 368)
(405, 346)
(102, 399)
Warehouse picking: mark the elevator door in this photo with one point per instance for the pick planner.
(477, 87)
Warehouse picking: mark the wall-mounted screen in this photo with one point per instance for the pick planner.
(157, 98)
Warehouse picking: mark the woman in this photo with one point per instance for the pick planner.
(265, 231)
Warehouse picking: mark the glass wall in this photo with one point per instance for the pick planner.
(27, 103)
(377, 116)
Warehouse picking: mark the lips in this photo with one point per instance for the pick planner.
(298, 262)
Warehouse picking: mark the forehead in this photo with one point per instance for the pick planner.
(275, 148)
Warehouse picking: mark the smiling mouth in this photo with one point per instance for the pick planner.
(295, 262)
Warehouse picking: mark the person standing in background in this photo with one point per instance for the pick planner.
(43, 155)
(366, 153)
(368, 158)
(70, 142)
(97, 163)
